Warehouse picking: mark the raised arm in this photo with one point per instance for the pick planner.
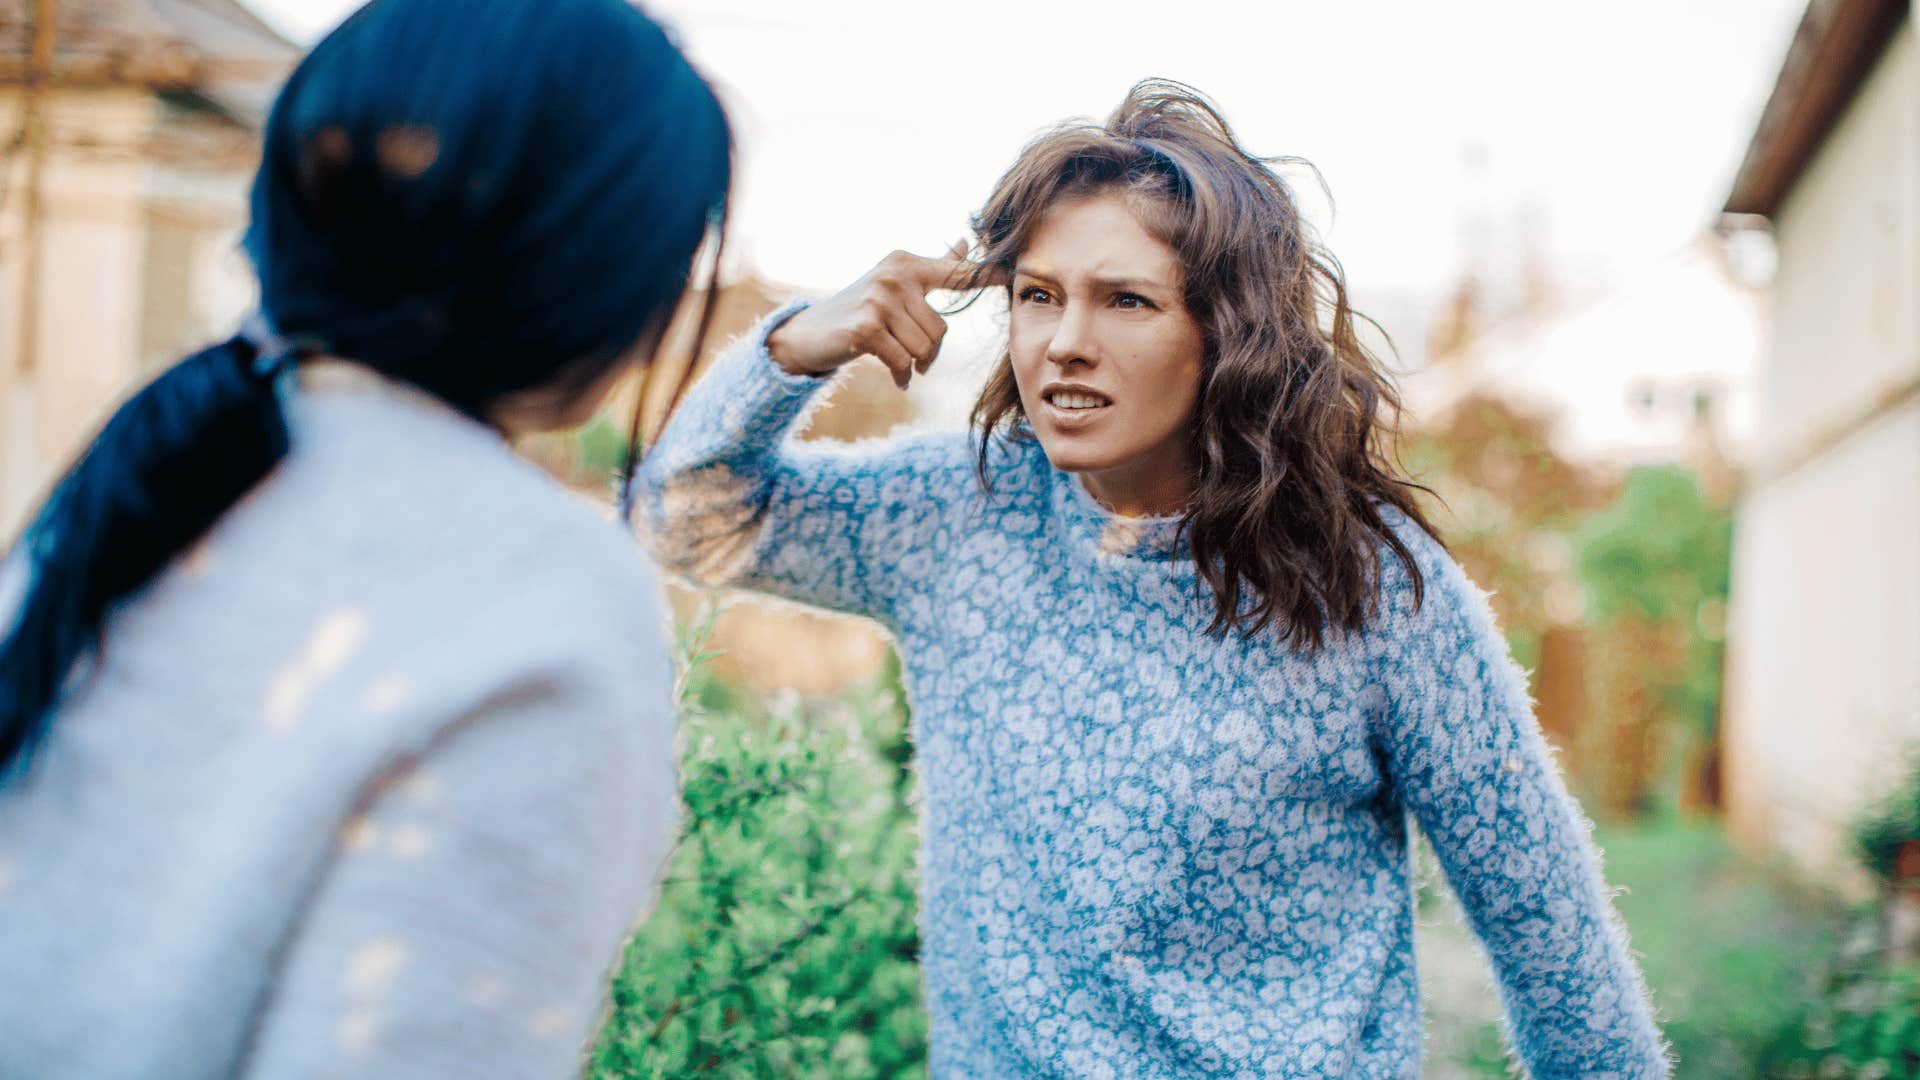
(728, 498)
(1466, 755)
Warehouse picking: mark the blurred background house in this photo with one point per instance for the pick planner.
(1824, 678)
(131, 137)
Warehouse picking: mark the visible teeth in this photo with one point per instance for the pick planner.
(1067, 399)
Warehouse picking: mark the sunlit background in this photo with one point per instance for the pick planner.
(1651, 274)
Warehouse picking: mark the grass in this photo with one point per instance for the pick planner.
(1732, 951)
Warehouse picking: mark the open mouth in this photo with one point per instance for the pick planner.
(1075, 401)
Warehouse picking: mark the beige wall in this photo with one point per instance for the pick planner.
(1824, 677)
(1847, 321)
(1826, 643)
(141, 206)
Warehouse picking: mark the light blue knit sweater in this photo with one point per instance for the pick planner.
(1148, 852)
(371, 783)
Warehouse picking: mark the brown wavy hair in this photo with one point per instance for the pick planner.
(1296, 420)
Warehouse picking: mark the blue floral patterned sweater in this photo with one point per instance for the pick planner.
(1149, 852)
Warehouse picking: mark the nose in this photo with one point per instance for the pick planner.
(1073, 338)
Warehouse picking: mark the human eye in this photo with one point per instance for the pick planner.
(1132, 301)
(1034, 294)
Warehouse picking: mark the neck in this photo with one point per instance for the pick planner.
(1142, 489)
(338, 374)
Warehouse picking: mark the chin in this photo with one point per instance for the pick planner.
(1074, 456)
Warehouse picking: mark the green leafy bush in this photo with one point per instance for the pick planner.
(1865, 1025)
(784, 941)
(1730, 947)
(1878, 837)
(1657, 568)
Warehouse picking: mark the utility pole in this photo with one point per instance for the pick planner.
(39, 79)
(34, 91)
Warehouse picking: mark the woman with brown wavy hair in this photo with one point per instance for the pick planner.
(1182, 649)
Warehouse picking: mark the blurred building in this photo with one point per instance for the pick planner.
(1656, 366)
(1537, 393)
(131, 133)
(1824, 670)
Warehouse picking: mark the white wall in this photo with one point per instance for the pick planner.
(1847, 291)
(106, 193)
(1824, 675)
(1824, 692)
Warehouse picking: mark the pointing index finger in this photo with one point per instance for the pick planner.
(951, 271)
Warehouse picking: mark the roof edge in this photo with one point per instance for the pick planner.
(1834, 49)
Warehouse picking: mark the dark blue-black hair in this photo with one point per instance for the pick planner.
(474, 196)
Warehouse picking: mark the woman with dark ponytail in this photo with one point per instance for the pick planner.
(333, 738)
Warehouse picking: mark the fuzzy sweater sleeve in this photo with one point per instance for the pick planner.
(1466, 757)
(727, 497)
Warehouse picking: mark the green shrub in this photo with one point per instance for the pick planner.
(1866, 1022)
(1865, 1026)
(784, 941)
(1894, 823)
(1731, 948)
(600, 449)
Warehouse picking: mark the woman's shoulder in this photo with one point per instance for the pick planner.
(999, 467)
(1420, 581)
(544, 607)
(1416, 534)
(1429, 612)
(432, 518)
(567, 561)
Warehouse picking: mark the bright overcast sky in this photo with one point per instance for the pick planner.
(868, 125)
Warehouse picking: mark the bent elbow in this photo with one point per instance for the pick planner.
(702, 525)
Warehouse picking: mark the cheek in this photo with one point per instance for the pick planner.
(1176, 382)
(1028, 354)
(1171, 380)
(1192, 369)
(1024, 340)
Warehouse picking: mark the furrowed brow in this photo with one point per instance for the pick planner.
(1120, 284)
(1110, 284)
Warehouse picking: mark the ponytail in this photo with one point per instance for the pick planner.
(170, 462)
(436, 200)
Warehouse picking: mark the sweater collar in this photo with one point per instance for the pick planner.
(1115, 535)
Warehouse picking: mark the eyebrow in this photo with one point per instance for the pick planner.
(1110, 283)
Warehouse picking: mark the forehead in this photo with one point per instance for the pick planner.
(1098, 236)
